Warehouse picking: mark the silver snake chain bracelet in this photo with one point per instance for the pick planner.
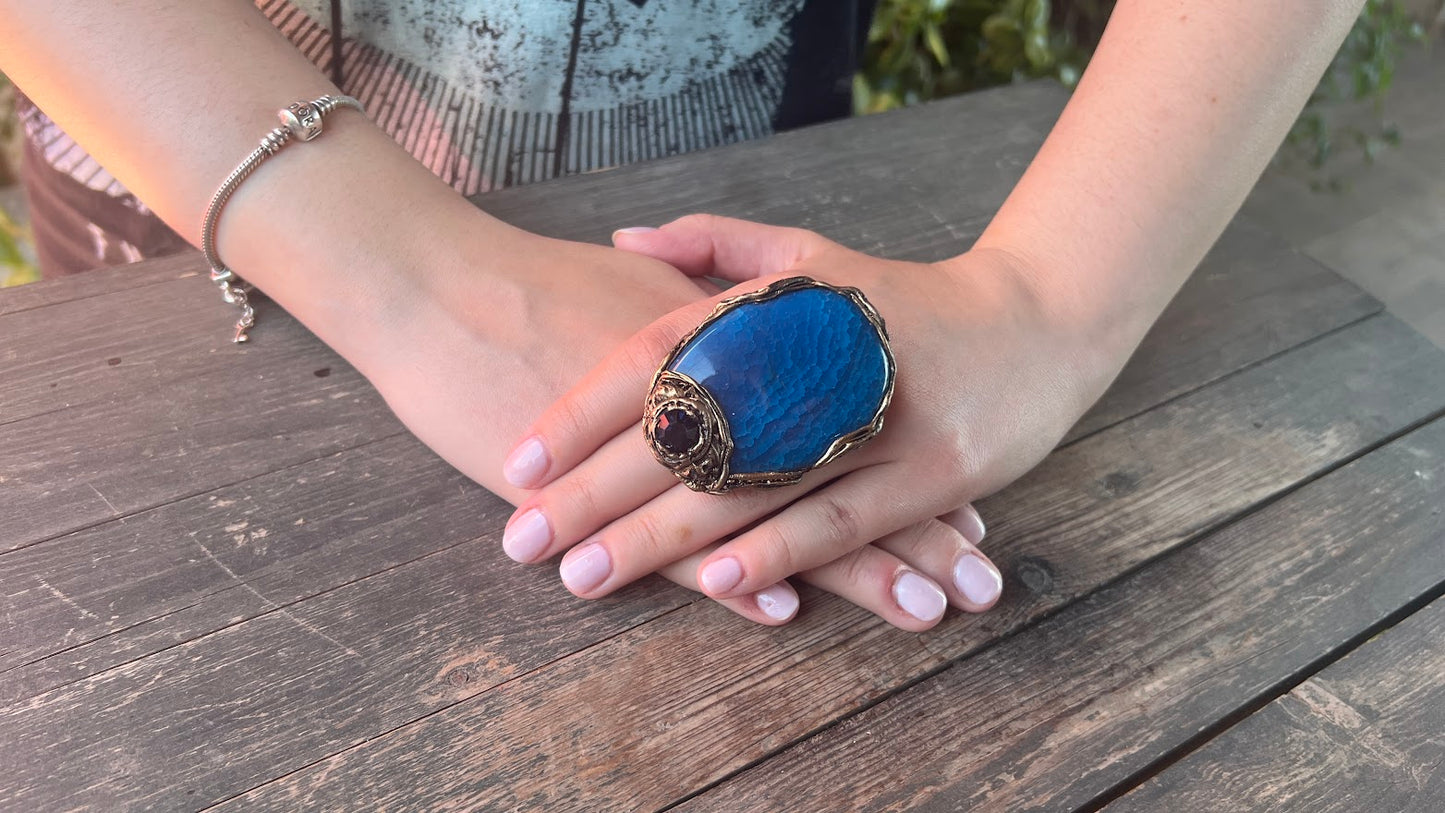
(301, 120)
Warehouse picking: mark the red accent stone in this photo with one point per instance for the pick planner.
(678, 430)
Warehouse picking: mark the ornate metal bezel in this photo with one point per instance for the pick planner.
(705, 466)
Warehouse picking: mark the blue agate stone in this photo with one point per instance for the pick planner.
(791, 374)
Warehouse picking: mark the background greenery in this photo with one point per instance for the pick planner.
(925, 49)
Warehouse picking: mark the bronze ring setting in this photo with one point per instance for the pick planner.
(771, 385)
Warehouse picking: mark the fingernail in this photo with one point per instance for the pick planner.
(918, 596)
(585, 567)
(978, 581)
(635, 230)
(778, 602)
(527, 536)
(526, 464)
(721, 575)
(972, 525)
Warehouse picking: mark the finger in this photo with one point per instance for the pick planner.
(885, 585)
(723, 247)
(938, 549)
(773, 605)
(608, 400)
(967, 521)
(619, 478)
(830, 522)
(677, 524)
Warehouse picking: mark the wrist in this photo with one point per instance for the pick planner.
(1085, 337)
(349, 233)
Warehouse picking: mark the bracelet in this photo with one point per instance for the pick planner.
(301, 120)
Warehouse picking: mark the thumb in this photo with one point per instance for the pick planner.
(722, 247)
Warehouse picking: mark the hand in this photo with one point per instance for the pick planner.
(989, 378)
(464, 356)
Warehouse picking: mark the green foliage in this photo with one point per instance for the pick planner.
(15, 267)
(923, 49)
(1359, 77)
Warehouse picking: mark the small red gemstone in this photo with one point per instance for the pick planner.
(678, 430)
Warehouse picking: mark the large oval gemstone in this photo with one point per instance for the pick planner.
(792, 374)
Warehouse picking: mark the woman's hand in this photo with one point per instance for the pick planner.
(465, 356)
(990, 374)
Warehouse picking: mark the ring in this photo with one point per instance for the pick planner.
(773, 384)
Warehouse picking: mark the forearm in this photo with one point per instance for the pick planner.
(1179, 112)
(169, 95)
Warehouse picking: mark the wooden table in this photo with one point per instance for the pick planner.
(1223, 590)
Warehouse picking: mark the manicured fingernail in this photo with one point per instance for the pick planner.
(526, 464)
(635, 230)
(527, 536)
(918, 596)
(778, 602)
(721, 575)
(971, 525)
(978, 581)
(585, 567)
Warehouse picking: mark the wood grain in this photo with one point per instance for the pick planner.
(649, 716)
(1250, 298)
(91, 284)
(76, 467)
(1056, 716)
(1363, 734)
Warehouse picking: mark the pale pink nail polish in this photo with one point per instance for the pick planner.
(721, 575)
(978, 581)
(586, 567)
(527, 536)
(918, 596)
(636, 230)
(527, 463)
(971, 525)
(778, 602)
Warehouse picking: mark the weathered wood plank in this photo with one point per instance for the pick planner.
(445, 616)
(79, 286)
(97, 598)
(1058, 715)
(673, 695)
(77, 467)
(1364, 734)
(127, 343)
(1250, 298)
(916, 184)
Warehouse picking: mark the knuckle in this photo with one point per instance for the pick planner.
(647, 535)
(778, 551)
(577, 499)
(650, 347)
(567, 418)
(697, 220)
(839, 521)
(960, 460)
(807, 241)
(859, 569)
(937, 540)
(920, 538)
